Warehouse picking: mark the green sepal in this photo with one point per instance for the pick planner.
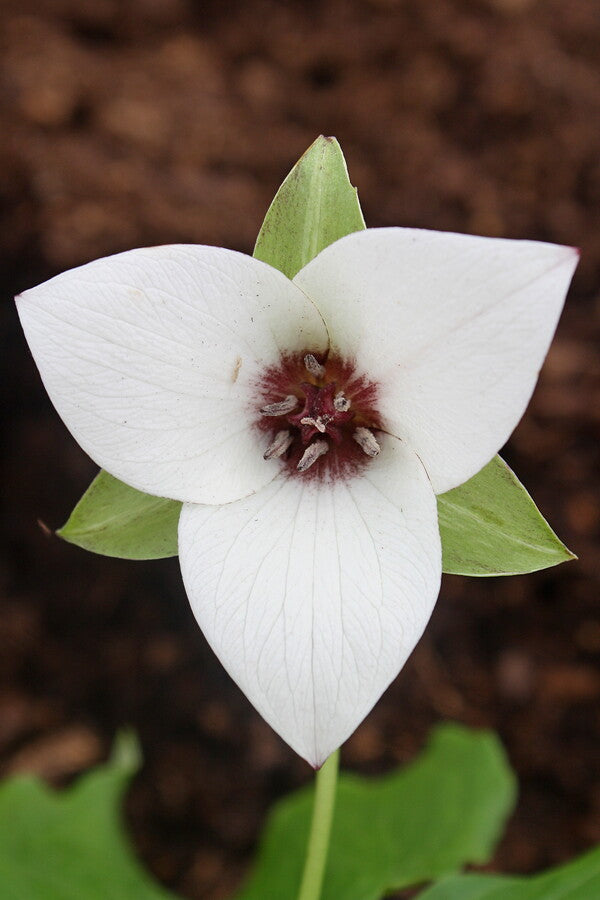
(116, 520)
(315, 206)
(491, 526)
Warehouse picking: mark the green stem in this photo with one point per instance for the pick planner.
(320, 829)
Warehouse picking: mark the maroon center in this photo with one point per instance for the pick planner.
(319, 416)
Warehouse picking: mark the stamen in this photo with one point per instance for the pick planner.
(280, 444)
(313, 366)
(366, 441)
(341, 403)
(282, 407)
(312, 454)
(319, 423)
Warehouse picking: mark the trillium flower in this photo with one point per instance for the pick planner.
(307, 426)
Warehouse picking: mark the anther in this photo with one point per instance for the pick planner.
(319, 423)
(313, 366)
(279, 445)
(366, 441)
(312, 454)
(341, 403)
(282, 407)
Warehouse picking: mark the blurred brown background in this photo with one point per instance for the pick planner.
(156, 121)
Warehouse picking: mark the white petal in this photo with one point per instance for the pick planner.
(150, 357)
(314, 595)
(454, 328)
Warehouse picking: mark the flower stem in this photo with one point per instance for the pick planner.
(320, 829)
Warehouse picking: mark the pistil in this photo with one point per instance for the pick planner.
(319, 423)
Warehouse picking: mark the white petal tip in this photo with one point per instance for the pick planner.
(313, 597)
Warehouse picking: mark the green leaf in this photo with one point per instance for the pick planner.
(491, 526)
(444, 810)
(70, 845)
(315, 206)
(577, 880)
(116, 520)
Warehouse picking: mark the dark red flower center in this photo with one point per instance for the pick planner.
(320, 415)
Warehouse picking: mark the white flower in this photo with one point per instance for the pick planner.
(307, 426)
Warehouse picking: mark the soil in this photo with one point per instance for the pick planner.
(157, 121)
